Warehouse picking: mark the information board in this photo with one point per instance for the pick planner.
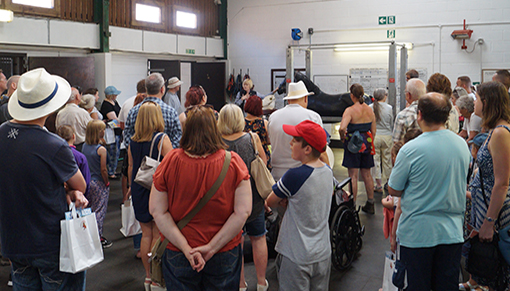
(370, 79)
(332, 84)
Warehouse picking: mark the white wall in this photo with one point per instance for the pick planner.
(260, 31)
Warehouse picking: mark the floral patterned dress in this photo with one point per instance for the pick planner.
(258, 126)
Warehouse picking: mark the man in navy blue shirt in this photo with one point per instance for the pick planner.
(33, 199)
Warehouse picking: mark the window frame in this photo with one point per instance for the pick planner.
(33, 10)
(138, 23)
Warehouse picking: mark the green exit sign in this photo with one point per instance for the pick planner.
(390, 33)
(383, 20)
(190, 51)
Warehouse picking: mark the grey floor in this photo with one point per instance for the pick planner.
(121, 271)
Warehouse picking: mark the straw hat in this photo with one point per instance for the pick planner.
(174, 82)
(38, 95)
(297, 90)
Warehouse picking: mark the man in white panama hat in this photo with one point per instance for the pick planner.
(292, 114)
(171, 98)
(32, 176)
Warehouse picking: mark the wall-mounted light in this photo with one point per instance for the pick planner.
(6, 15)
(462, 34)
(370, 46)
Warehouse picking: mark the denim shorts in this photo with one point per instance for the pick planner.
(221, 272)
(256, 227)
(42, 273)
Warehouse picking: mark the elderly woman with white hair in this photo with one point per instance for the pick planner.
(383, 140)
(231, 125)
(87, 102)
(472, 123)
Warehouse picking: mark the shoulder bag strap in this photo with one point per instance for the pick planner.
(253, 142)
(182, 223)
(152, 145)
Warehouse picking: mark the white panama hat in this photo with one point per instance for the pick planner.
(297, 90)
(38, 94)
(174, 82)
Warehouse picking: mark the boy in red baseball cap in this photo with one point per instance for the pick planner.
(303, 243)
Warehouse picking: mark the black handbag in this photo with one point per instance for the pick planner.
(484, 258)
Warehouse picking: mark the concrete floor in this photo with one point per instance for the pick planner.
(121, 271)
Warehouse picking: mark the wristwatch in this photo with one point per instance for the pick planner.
(489, 219)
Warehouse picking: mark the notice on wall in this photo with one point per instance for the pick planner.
(370, 79)
(332, 84)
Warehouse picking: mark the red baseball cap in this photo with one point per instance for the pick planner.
(312, 132)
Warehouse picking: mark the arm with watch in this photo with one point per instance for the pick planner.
(500, 152)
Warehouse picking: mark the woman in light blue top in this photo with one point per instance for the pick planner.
(383, 141)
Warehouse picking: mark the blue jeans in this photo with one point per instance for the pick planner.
(113, 155)
(221, 272)
(43, 273)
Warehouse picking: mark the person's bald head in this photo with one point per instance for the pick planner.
(434, 108)
(502, 76)
(415, 88)
(12, 84)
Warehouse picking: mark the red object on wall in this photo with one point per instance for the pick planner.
(392, 80)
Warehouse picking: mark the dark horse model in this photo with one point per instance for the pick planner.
(327, 105)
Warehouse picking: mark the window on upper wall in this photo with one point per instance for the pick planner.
(148, 13)
(34, 7)
(186, 20)
(36, 3)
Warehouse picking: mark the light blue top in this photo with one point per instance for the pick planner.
(94, 160)
(432, 172)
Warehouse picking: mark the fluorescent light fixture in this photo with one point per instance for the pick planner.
(148, 13)
(37, 3)
(6, 15)
(369, 47)
(185, 19)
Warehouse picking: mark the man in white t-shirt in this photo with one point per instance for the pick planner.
(465, 82)
(292, 114)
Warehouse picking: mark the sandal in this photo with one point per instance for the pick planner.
(467, 286)
(147, 284)
(244, 288)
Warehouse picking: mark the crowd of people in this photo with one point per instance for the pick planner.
(422, 157)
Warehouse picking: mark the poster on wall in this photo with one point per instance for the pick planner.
(332, 84)
(488, 73)
(370, 79)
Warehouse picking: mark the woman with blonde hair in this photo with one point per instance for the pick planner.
(87, 102)
(205, 254)
(99, 187)
(149, 124)
(245, 93)
(231, 125)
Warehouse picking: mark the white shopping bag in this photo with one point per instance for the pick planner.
(80, 246)
(389, 266)
(130, 226)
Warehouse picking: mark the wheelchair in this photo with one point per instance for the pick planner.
(346, 230)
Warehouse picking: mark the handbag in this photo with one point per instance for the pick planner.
(264, 181)
(484, 258)
(159, 247)
(80, 246)
(389, 267)
(130, 226)
(149, 165)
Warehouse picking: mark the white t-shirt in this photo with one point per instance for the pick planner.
(292, 114)
(124, 110)
(472, 124)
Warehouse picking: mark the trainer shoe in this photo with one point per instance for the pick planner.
(368, 208)
(106, 243)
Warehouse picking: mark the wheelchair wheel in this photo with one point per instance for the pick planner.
(344, 238)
